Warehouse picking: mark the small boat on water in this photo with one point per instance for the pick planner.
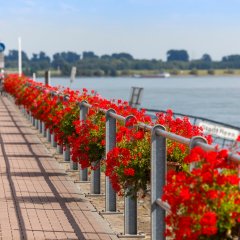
(160, 75)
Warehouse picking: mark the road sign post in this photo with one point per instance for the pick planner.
(73, 74)
(2, 48)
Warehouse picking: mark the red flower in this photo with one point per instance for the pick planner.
(129, 172)
(185, 194)
(209, 223)
(212, 194)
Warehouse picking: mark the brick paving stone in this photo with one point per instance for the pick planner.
(38, 200)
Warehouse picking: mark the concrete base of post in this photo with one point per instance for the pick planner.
(131, 235)
(110, 213)
(78, 181)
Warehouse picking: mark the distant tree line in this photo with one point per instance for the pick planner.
(90, 64)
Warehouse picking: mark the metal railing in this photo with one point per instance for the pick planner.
(159, 137)
(222, 141)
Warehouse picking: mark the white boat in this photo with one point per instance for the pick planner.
(160, 75)
(164, 75)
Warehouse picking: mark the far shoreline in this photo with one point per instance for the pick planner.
(148, 73)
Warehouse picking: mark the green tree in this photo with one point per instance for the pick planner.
(206, 58)
(177, 55)
(90, 55)
(122, 55)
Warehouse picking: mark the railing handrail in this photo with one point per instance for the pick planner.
(186, 141)
(195, 117)
(158, 167)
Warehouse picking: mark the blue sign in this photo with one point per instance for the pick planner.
(2, 47)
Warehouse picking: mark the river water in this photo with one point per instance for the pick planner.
(216, 98)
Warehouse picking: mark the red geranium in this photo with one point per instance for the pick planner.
(207, 196)
(176, 152)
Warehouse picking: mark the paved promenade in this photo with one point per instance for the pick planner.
(37, 199)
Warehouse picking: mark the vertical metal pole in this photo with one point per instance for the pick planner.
(73, 165)
(47, 78)
(130, 207)
(37, 124)
(40, 126)
(48, 135)
(44, 132)
(33, 121)
(158, 178)
(83, 116)
(53, 142)
(19, 57)
(192, 144)
(130, 215)
(95, 187)
(110, 200)
(28, 116)
(66, 154)
(224, 141)
(59, 149)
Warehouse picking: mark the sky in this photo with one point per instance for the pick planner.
(147, 29)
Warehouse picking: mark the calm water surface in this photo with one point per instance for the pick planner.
(217, 98)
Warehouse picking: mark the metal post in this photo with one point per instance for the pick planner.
(19, 57)
(158, 176)
(95, 187)
(192, 144)
(44, 132)
(130, 215)
(48, 135)
(73, 165)
(66, 154)
(83, 115)
(47, 78)
(36, 123)
(33, 121)
(130, 208)
(110, 200)
(53, 142)
(40, 126)
(59, 149)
